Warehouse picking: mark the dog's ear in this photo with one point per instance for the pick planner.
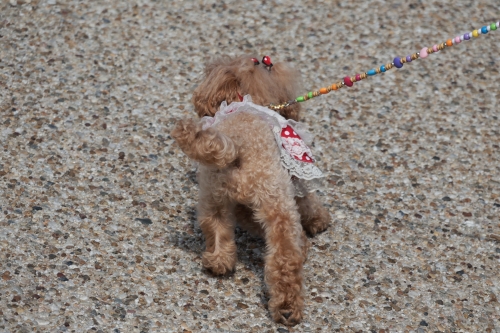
(220, 84)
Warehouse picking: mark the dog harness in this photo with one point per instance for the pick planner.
(290, 136)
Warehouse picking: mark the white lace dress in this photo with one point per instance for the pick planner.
(291, 137)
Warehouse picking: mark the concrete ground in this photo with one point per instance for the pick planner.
(97, 226)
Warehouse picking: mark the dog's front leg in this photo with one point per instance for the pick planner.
(314, 216)
(284, 259)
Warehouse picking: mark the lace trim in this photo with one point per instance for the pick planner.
(297, 148)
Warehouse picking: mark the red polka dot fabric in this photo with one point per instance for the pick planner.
(294, 144)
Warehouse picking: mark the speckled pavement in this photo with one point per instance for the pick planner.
(97, 226)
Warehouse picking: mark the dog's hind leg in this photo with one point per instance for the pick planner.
(284, 259)
(218, 228)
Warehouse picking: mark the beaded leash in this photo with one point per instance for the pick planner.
(398, 62)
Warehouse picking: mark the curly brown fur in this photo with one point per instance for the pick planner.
(227, 77)
(243, 182)
(208, 147)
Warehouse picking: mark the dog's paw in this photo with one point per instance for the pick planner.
(316, 227)
(219, 264)
(287, 303)
(319, 222)
(289, 315)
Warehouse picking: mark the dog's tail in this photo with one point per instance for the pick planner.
(208, 147)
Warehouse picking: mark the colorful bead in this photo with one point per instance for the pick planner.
(300, 99)
(449, 42)
(423, 53)
(397, 62)
(323, 91)
(493, 26)
(334, 87)
(382, 69)
(347, 81)
(435, 48)
(408, 58)
(358, 77)
(457, 40)
(484, 30)
(474, 33)
(310, 94)
(371, 72)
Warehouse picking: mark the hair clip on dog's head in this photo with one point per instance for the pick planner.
(266, 60)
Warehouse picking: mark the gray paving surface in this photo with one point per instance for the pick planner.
(97, 226)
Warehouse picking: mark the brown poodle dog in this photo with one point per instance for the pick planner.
(242, 181)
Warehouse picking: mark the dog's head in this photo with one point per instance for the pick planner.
(228, 79)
